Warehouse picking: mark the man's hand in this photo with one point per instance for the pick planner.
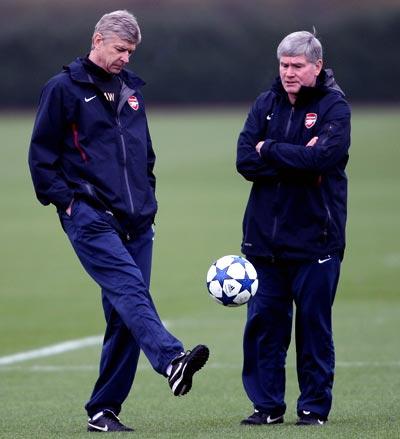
(259, 146)
(69, 208)
(312, 142)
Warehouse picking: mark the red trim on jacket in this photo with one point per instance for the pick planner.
(77, 144)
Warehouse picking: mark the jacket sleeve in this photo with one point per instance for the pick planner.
(45, 149)
(248, 162)
(332, 145)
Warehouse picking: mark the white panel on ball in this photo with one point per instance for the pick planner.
(251, 271)
(215, 288)
(236, 271)
(224, 262)
(211, 273)
(231, 287)
(242, 298)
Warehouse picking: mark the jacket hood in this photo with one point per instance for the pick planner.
(329, 81)
(78, 73)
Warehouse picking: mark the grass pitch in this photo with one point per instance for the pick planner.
(46, 298)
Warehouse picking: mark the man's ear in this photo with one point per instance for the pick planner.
(318, 66)
(97, 40)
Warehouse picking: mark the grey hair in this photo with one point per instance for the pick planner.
(121, 23)
(301, 43)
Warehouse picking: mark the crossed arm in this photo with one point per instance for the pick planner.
(260, 157)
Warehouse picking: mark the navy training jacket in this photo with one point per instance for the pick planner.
(82, 149)
(298, 202)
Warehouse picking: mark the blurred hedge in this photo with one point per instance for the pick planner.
(202, 51)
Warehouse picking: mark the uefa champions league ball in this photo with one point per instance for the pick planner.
(232, 280)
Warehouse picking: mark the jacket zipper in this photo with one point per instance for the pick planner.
(278, 186)
(328, 212)
(289, 124)
(78, 146)
(275, 224)
(89, 189)
(327, 134)
(319, 178)
(125, 169)
(123, 97)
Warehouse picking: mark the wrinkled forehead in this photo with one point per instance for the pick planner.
(112, 37)
(294, 60)
(115, 39)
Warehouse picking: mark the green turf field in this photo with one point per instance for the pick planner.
(46, 298)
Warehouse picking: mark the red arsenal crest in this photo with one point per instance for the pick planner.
(133, 102)
(310, 120)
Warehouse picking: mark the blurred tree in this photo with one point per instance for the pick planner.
(208, 51)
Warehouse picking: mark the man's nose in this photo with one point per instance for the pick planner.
(290, 71)
(125, 57)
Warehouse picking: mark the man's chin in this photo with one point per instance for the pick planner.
(292, 89)
(115, 70)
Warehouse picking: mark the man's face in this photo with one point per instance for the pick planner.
(111, 52)
(296, 71)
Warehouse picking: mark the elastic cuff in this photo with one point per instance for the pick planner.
(265, 150)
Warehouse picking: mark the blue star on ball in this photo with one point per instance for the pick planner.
(222, 275)
(240, 261)
(245, 283)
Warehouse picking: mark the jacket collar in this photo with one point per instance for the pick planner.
(325, 83)
(78, 73)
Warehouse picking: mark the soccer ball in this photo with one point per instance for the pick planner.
(232, 280)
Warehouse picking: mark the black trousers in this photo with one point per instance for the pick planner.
(122, 270)
(311, 286)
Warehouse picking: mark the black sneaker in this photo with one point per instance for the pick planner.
(260, 418)
(106, 421)
(184, 367)
(309, 418)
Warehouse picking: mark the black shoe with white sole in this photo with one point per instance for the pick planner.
(309, 418)
(261, 418)
(106, 421)
(184, 367)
